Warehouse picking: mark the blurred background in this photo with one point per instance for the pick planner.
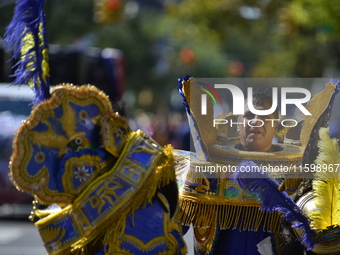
(136, 50)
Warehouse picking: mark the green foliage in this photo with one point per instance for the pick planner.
(289, 38)
(295, 38)
(68, 20)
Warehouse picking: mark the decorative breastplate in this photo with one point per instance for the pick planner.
(211, 187)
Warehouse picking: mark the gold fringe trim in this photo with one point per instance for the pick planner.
(166, 169)
(208, 216)
(291, 185)
(108, 234)
(164, 174)
(228, 216)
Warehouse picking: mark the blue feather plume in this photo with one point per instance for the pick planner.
(26, 37)
(274, 200)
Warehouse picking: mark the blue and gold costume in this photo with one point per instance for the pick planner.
(225, 218)
(75, 152)
(109, 190)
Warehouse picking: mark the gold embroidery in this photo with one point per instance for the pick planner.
(103, 195)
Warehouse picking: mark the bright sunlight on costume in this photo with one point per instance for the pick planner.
(110, 190)
(226, 218)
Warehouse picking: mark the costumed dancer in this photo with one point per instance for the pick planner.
(227, 219)
(110, 190)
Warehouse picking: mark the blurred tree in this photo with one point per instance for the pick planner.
(165, 40)
(106, 11)
(207, 38)
(69, 21)
(270, 38)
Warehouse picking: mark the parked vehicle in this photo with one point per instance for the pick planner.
(15, 107)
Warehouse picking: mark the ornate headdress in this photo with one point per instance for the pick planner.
(206, 182)
(110, 184)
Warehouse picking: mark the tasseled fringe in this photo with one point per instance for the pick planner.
(205, 218)
(166, 171)
(291, 184)
(110, 232)
(228, 216)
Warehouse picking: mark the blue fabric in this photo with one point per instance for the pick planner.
(179, 87)
(147, 224)
(185, 229)
(235, 242)
(272, 199)
(101, 252)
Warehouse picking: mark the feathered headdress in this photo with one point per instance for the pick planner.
(26, 36)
